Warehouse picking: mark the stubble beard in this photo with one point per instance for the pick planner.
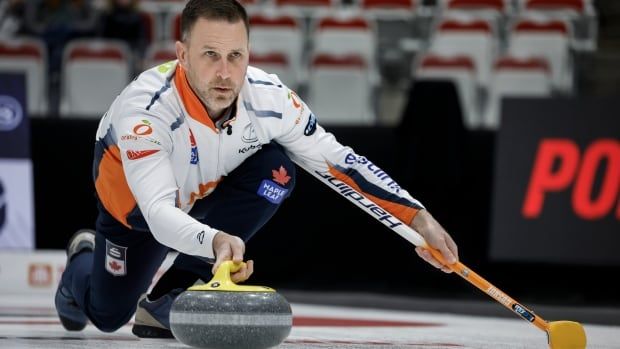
(212, 99)
(216, 100)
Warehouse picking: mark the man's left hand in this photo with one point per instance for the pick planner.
(437, 237)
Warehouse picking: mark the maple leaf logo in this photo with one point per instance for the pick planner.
(115, 266)
(281, 176)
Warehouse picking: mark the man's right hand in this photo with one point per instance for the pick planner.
(229, 247)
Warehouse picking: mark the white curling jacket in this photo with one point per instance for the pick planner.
(157, 152)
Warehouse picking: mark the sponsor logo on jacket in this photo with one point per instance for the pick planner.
(143, 129)
(311, 125)
(280, 176)
(249, 134)
(249, 147)
(345, 190)
(194, 152)
(271, 191)
(137, 154)
(351, 159)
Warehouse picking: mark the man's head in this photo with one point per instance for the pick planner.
(214, 50)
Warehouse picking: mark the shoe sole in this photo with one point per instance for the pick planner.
(71, 325)
(143, 331)
(67, 323)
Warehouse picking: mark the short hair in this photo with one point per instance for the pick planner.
(229, 10)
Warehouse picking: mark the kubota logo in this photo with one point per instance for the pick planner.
(560, 163)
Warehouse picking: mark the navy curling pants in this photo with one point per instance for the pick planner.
(239, 206)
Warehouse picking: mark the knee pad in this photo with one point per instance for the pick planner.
(111, 322)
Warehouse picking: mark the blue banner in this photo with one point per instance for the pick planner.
(14, 123)
(16, 194)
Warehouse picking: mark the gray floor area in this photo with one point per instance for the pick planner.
(334, 320)
(485, 306)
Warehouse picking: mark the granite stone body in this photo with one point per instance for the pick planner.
(231, 319)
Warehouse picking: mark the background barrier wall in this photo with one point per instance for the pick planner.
(38, 272)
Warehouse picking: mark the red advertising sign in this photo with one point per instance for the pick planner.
(557, 182)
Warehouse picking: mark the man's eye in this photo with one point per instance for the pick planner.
(210, 54)
(235, 55)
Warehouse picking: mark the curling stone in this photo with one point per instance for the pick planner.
(223, 315)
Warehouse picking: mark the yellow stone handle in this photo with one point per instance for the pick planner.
(221, 281)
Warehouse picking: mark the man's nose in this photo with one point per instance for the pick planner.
(223, 70)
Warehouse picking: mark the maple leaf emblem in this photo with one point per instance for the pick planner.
(115, 266)
(281, 176)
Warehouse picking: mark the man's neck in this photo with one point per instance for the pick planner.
(215, 115)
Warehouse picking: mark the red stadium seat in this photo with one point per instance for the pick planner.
(279, 34)
(548, 39)
(275, 63)
(305, 3)
(304, 9)
(579, 14)
(461, 70)
(389, 10)
(348, 75)
(573, 5)
(497, 5)
(516, 77)
(159, 53)
(389, 4)
(494, 10)
(346, 34)
(28, 55)
(474, 38)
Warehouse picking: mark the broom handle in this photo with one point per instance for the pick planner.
(485, 286)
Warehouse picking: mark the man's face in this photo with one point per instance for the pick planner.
(215, 57)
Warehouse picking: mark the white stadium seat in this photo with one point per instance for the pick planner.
(548, 39)
(471, 37)
(94, 72)
(461, 70)
(158, 53)
(516, 77)
(340, 90)
(280, 34)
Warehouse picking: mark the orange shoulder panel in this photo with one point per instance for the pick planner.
(112, 187)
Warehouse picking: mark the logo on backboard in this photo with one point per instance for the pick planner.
(11, 113)
(39, 275)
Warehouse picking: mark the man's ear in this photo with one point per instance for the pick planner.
(182, 53)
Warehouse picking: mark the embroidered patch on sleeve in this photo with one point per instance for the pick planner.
(271, 191)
